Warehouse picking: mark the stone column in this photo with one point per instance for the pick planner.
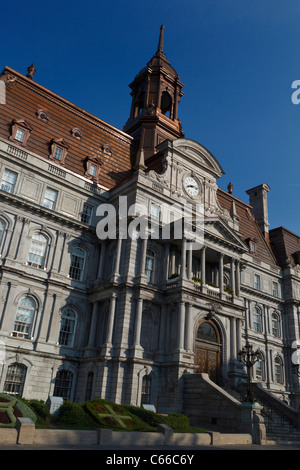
(100, 275)
(183, 259)
(189, 263)
(58, 251)
(10, 310)
(93, 325)
(232, 338)
(22, 249)
(189, 329)
(181, 325)
(166, 262)
(203, 276)
(12, 250)
(143, 251)
(116, 272)
(232, 275)
(111, 319)
(138, 322)
(221, 274)
(237, 278)
(47, 314)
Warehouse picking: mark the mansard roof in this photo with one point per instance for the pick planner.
(248, 227)
(51, 117)
(286, 246)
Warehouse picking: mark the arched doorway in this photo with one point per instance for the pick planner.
(208, 349)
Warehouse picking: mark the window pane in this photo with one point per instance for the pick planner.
(77, 264)
(58, 153)
(93, 169)
(63, 382)
(50, 198)
(67, 327)
(8, 181)
(15, 378)
(2, 230)
(24, 317)
(20, 134)
(86, 215)
(37, 250)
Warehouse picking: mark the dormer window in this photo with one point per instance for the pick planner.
(252, 243)
(93, 166)
(20, 131)
(59, 150)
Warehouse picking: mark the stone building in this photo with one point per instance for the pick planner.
(124, 318)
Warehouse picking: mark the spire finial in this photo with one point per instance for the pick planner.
(160, 47)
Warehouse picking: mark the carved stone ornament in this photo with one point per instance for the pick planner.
(76, 132)
(42, 115)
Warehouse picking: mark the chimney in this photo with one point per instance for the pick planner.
(258, 201)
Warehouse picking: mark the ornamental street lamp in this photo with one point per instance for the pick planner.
(249, 358)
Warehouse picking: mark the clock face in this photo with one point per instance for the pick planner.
(191, 186)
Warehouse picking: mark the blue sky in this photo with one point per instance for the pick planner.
(237, 60)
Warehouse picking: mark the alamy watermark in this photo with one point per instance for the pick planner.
(158, 222)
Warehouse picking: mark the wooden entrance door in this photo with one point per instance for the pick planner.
(208, 349)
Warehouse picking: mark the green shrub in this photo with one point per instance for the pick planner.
(177, 421)
(12, 408)
(147, 416)
(70, 414)
(40, 409)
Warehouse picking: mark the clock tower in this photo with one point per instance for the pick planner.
(156, 93)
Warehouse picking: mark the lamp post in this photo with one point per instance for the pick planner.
(249, 358)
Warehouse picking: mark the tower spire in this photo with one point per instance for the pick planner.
(160, 48)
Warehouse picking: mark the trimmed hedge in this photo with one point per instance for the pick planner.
(12, 408)
(110, 415)
(176, 421)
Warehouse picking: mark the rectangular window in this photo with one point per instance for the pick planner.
(93, 169)
(20, 134)
(58, 153)
(155, 211)
(275, 289)
(8, 181)
(50, 198)
(256, 282)
(86, 215)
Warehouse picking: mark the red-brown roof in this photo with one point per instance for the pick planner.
(248, 227)
(24, 98)
(285, 245)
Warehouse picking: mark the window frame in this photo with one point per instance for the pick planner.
(63, 388)
(44, 256)
(23, 328)
(7, 182)
(67, 330)
(54, 146)
(258, 314)
(14, 371)
(48, 199)
(74, 268)
(257, 282)
(88, 217)
(152, 257)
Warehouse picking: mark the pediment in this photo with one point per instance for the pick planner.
(199, 155)
(217, 230)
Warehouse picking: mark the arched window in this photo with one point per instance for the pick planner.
(257, 320)
(275, 325)
(149, 265)
(37, 250)
(166, 104)
(77, 263)
(15, 379)
(24, 317)
(146, 390)
(259, 369)
(63, 384)
(67, 327)
(206, 332)
(278, 369)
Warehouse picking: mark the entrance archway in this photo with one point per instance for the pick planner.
(208, 349)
